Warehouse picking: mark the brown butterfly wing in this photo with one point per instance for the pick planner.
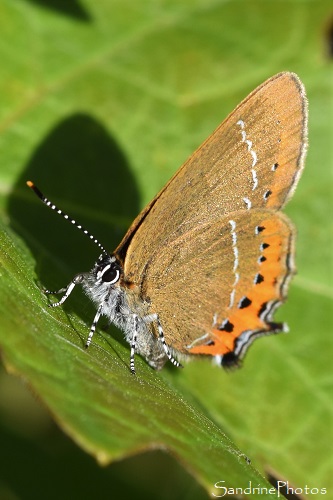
(252, 160)
(221, 279)
(211, 254)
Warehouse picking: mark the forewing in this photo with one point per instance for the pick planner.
(252, 160)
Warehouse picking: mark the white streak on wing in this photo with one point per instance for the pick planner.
(255, 179)
(252, 153)
(249, 144)
(232, 298)
(197, 340)
(232, 224)
(236, 261)
(236, 258)
(248, 203)
(255, 158)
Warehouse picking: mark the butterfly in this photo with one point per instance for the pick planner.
(206, 263)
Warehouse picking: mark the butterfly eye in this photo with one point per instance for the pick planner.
(110, 274)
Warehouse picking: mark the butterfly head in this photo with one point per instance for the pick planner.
(107, 270)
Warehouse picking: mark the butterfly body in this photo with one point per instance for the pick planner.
(121, 302)
(204, 266)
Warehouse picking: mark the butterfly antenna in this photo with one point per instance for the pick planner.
(48, 203)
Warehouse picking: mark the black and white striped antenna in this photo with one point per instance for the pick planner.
(51, 205)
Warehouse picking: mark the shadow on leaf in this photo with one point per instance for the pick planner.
(82, 169)
(72, 8)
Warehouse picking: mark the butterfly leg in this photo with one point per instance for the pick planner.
(154, 317)
(93, 326)
(77, 280)
(133, 343)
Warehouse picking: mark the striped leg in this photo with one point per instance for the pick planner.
(93, 326)
(68, 290)
(154, 317)
(133, 344)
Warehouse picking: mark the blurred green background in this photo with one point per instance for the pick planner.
(101, 102)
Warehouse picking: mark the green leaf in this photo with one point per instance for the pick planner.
(93, 396)
(101, 102)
